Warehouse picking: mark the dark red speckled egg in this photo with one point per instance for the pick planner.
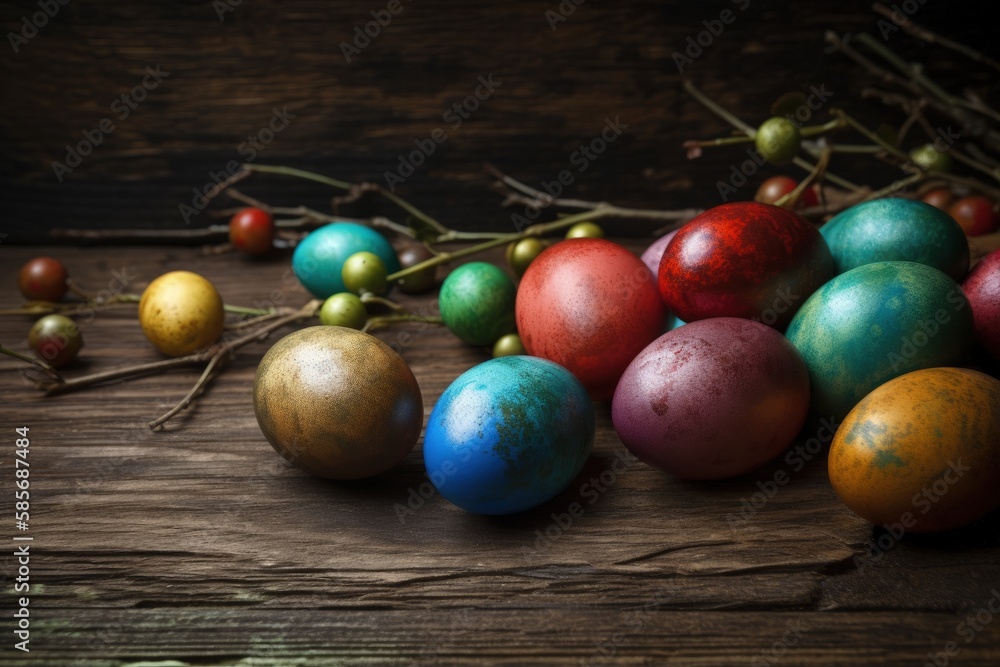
(982, 287)
(712, 399)
(744, 259)
(589, 305)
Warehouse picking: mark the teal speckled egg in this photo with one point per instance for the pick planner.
(874, 323)
(886, 230)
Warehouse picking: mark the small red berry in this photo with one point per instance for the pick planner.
(975, 215)
(43, 279)
(252, 231)
(940, 197)
(776, 187)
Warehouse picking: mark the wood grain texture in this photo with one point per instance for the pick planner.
(199, 544)
(353, 120)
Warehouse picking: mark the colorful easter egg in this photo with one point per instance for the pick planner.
(713, 399)
(744, 259)
(508, 435)
(877, 322)
(319, 258)
(982, 287)
(477, 303)
(907, 230)
(922, 452)
(589, 305)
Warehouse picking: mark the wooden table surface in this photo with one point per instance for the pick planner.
(198, 544)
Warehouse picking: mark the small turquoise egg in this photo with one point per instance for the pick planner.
(884, 230)
(877, 322)
(320, 256)
(508, 435)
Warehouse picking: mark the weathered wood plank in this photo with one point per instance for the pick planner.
(208, 548)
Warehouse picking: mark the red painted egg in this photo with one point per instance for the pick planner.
(589, 305)
(744, 259)
(982, 287)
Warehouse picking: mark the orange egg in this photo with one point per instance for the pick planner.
(921, 453)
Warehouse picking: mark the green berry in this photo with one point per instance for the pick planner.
(585, 230)
(928, 157)
(508, 345)
(522, 253)
(343, 310)
(364, 272)
(56, 339)
(778, 140)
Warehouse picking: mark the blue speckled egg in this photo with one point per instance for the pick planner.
(320, 256)
(508, 435)
(875, 323)
(885, 230)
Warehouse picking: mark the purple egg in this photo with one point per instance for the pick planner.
(713, 399)
(651, 256)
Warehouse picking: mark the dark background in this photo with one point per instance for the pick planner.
(354, 119)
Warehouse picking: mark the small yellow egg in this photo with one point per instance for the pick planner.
(181, 312)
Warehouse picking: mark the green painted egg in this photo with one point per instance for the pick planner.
(477, 303)
(874, 323)
(886, 230)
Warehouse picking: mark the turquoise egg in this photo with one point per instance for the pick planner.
(320, 256)
(508, 435)
(874, 323)
(886, 230)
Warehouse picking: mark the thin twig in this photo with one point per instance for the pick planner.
(213, 356)
(971, 126)
(802, 163)
(920, 32)
(34, 362)
(529, 196)
(70, 309)
(385, 320)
